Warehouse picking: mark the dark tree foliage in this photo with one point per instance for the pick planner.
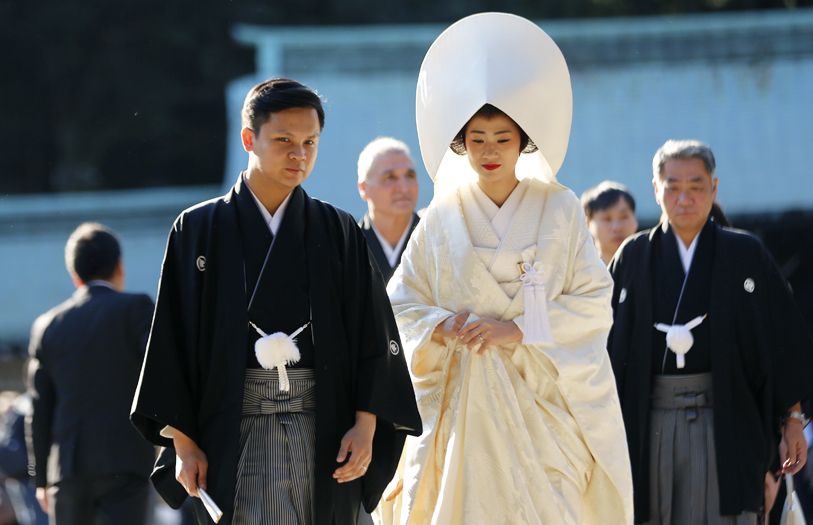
(126, 94)
(329, 12)
(121, 94)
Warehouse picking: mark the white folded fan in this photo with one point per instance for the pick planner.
(209, 504)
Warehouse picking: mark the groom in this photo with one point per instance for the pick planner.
(268, 254)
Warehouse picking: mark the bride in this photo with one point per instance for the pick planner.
(502, 301)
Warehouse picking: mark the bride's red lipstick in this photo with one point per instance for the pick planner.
(491, 167)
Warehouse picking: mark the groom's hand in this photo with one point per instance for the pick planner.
(190, 463)
(358, 443)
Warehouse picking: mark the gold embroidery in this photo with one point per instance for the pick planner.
(520, 268)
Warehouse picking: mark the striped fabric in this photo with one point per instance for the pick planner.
(683, 468)
(277, 442)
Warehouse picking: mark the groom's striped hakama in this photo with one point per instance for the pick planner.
(275, 473)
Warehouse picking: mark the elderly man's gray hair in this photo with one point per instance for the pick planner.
(377, 147)
(682, 149)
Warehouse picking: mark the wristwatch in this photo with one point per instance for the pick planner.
(796, 414)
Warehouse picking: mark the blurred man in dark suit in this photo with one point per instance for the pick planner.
(89, 463)
(387, 181)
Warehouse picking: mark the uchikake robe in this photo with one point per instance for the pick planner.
(194, 368)
(522, 433)
(760, 357)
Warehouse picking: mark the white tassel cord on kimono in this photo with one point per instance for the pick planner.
(679, 337)
(536, 328)
(276, 351)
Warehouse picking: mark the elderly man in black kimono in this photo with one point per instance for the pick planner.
(710, 355)
(274, 443)
(389, 185)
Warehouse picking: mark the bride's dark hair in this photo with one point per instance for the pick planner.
(458, 145)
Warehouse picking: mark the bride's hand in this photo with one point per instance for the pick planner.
(448, 329)
(489, 332)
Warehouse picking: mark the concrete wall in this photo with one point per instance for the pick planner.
(33, 231)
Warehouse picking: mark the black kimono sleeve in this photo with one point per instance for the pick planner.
(43, 400)
(791, 344)
(383, 385)
(166, 393)
(622, 267)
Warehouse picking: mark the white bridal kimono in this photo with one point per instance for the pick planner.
(521, 433)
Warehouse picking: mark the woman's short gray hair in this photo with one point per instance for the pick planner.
(377, 147)
(682, 149)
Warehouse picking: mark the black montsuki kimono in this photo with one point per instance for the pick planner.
(196, 357)
(380, 258)
(759, 353)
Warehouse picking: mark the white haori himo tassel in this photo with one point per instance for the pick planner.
(276, 351)
(536, 327)
(679, 338)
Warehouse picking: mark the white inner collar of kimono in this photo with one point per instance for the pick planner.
(391, 252)
(500, 216)
(679, 338)
(687, 254)
(273, 221)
